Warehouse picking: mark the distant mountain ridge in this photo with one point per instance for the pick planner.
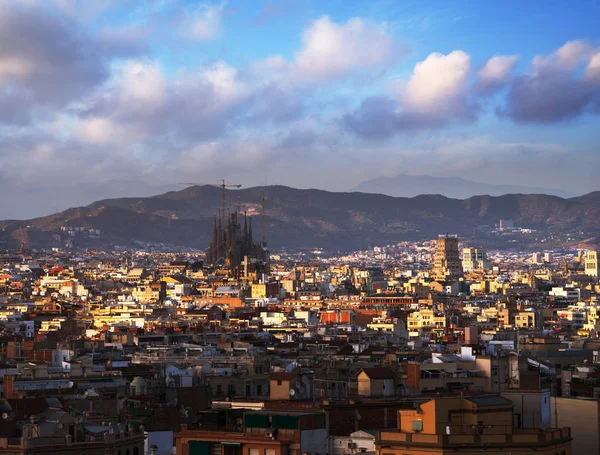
(453, 187)
(314, 218)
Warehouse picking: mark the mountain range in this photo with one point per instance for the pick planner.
(453, 187)
(314, 218)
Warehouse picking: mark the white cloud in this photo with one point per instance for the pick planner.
(435, 94)
(141, 87)
(225, 81)
(495, 72)
(331, 50)
(141, 105)
(437, 87)
(592, 71)
(204, 24)
(569, 55)
(103, 131)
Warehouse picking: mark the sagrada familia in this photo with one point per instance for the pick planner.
(232, 242)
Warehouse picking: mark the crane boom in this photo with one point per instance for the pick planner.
(221, 185)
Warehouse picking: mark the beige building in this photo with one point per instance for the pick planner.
(583, 417)
(149, 293)
(259, 290)
(526, 319)
(474, 259)
(591, 264)
(375, 382)
(447, 260)
(425, 318)
(281, 385)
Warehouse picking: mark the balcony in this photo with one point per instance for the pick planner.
(55, 443)
(520, 437)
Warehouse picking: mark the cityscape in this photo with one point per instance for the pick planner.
(296, 227)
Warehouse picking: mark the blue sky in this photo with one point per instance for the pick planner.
(305, 93)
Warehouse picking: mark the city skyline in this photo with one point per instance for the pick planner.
(284, 227)
(304, 94)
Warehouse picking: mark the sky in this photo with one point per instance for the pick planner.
(322, 94)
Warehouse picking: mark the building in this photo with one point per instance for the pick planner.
(425, 318)
(261, 433)
(583, 416)
(289, 386)
(474, 425)
(474, 259)
(67, 435)
(567, 293)
(532, 408)
(231, 243)
(376, 382)
(527, 319)
(358, 442)
(447, 261)
(506, 224)
(591, 264)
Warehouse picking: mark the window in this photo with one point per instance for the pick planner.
(279, 382)
(219, 389)
(231, 389)
(417, 425)
(259, 390)
(254, 452)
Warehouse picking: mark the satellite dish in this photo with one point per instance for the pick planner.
(292, 392)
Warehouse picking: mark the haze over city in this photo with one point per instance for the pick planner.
(302, 93)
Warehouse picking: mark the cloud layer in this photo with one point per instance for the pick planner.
(553, 90)
(102, 101)
(557, 87)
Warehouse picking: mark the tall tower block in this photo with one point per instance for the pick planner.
(447, 262)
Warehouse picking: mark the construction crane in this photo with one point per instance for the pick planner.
(221, 185)
(263, 199)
